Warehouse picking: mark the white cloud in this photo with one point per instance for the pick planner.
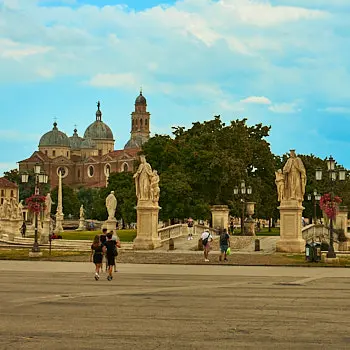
(285, 108)
(257, 100)
(123, 80)
(337, 110)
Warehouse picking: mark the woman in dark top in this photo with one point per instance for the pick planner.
(224, 244)
(96, 255)
(110, 248)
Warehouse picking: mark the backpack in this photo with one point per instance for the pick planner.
(223, 238)
(205, 240)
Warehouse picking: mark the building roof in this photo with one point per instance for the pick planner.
(4, 183)
(36, 157)
(75, 140)
(54, 138)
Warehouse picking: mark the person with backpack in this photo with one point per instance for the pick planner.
(96, 256)
(224, 244)
(110, 249)
(206, 239)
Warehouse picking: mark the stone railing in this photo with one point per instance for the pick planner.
(316, 233)
(180, 230)
(173, 231)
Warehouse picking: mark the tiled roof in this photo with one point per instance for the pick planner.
(132, 152)
(4, 183)
(37, 156)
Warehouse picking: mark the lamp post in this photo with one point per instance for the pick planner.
(40, 178)
(242, 190)
(315, 197)
(333, 173)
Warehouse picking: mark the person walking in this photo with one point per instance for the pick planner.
(103, 239)
(117, 245)
(224, 244)
(96, 256)
(23, 229)
(190, 225)
(110, 249)
(206, 239)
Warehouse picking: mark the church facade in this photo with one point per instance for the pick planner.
(88, 160)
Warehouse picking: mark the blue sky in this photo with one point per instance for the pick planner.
(284, 63)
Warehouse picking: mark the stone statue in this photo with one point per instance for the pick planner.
(20, 210)
(111, 205)
(143, 178)
(48, 205)
(13, 209)
(280, 184)
(155, 190)
(82, 212)
(295, 178)
(5, 207)
(2, 212)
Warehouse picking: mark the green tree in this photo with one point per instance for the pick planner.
(70, 201)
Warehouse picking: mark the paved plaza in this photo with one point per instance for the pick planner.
(58, 305)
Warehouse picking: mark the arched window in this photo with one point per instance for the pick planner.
(146, 122)
(125, 167)
(78, 172)
(54, 153)
(11, 193)
(141, 122)
(91, 171)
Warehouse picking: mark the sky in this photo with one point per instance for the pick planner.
(283, 63)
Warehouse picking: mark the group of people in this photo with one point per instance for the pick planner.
(105, 247)
(207, 238)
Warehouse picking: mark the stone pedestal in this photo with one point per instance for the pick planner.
(291, 240)
(111, 225)
(81, 225)
(341, 221)
(16, 227)
(147, 226)
(220, 216)
(44, 236)
(59, 222)
(249, 225)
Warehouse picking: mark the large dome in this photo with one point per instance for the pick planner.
(98, 130)
(54, 138)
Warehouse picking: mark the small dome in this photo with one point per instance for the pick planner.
(88, 144)
(140, 100)
(136, 142)
(54, 138)
(75, 140)
(98, 130)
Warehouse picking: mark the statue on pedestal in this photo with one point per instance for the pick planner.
(13, 209)
(292, 181)
(143, 178)
(48, 205)
(111, 205)
(5, 206)
(82, 212)
(155, 190)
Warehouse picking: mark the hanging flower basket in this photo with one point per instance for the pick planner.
(329, 206)
(36, 203)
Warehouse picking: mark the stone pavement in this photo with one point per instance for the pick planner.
(58, 305)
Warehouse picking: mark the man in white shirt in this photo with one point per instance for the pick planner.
(206, 239)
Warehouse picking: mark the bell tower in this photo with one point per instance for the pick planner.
(140, 120)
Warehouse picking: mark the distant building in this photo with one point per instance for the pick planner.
(8, 190)
(88, 160)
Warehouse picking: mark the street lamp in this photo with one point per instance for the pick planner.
(243, 190)
(40, 178)
(332, 177)
(315, 197)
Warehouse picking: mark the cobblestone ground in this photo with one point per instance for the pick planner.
(56, 305)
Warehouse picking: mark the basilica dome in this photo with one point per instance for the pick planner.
(98, 129)
(54, 138)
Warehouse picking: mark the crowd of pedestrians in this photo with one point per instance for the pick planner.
(105, 248)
